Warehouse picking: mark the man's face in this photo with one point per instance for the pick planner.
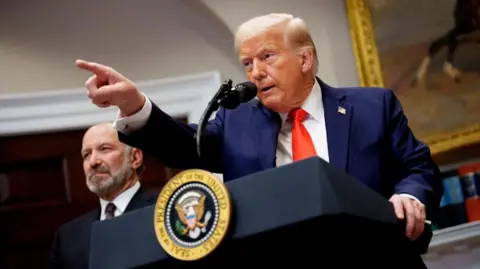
(276, 69)
(105, 164)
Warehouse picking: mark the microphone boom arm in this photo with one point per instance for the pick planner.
(212, 106)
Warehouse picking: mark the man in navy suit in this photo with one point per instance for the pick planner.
(362, 131)
(112, 172)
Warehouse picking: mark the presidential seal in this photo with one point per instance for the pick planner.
(192, 215)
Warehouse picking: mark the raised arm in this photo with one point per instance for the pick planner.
(173, 141)
(143, 125)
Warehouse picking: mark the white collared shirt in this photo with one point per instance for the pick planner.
(136, 121)
(314, 123)
(120, 202)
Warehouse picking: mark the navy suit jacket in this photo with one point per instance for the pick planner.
(371, 141)
(71, 243)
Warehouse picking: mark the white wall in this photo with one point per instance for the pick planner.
(40, 40)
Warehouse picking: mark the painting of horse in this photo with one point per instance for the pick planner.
(429, 55)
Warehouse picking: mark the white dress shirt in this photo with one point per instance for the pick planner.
(120, 202)
(314, 123)
(135, 121)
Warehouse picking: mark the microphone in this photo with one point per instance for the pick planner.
(241, 93)
(228, 97)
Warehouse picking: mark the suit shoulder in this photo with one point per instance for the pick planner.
(369, 99)
(366, 93)
(151, 193)
(85, 219)
(151, 197)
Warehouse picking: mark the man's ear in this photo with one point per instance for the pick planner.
(306, 56)
(137, 158)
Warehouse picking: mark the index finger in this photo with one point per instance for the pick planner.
(95, 68)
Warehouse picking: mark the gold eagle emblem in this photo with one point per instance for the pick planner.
(191, 216)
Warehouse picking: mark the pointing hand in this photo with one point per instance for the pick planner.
(107, 87)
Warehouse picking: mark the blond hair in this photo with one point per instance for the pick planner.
(295, 32)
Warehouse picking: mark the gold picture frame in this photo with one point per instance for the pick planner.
(370, 75)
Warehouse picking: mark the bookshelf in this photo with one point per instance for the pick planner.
(452, 166)
(460, 203)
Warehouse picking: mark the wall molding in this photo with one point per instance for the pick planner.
(60, 110)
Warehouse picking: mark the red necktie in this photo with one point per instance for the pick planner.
(302, 144)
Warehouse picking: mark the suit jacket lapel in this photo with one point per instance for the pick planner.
(337, 120)
(338, 115)
(267, 124)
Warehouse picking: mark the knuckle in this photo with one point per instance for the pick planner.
(411, 217)
(411, 213)
(110, 71)
(89, 83)
(91, 93)
(419, 213)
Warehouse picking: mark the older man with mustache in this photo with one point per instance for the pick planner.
(112, 173)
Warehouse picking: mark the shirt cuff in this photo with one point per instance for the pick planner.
(136, 121)
(411, 197)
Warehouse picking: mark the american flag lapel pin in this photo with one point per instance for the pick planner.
(342, 110)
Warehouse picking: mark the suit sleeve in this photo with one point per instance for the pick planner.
(419, 176)
(55, 258)
(173, 141)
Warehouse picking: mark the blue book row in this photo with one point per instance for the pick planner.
(460, 202)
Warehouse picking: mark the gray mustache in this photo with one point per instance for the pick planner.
(100, 169)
